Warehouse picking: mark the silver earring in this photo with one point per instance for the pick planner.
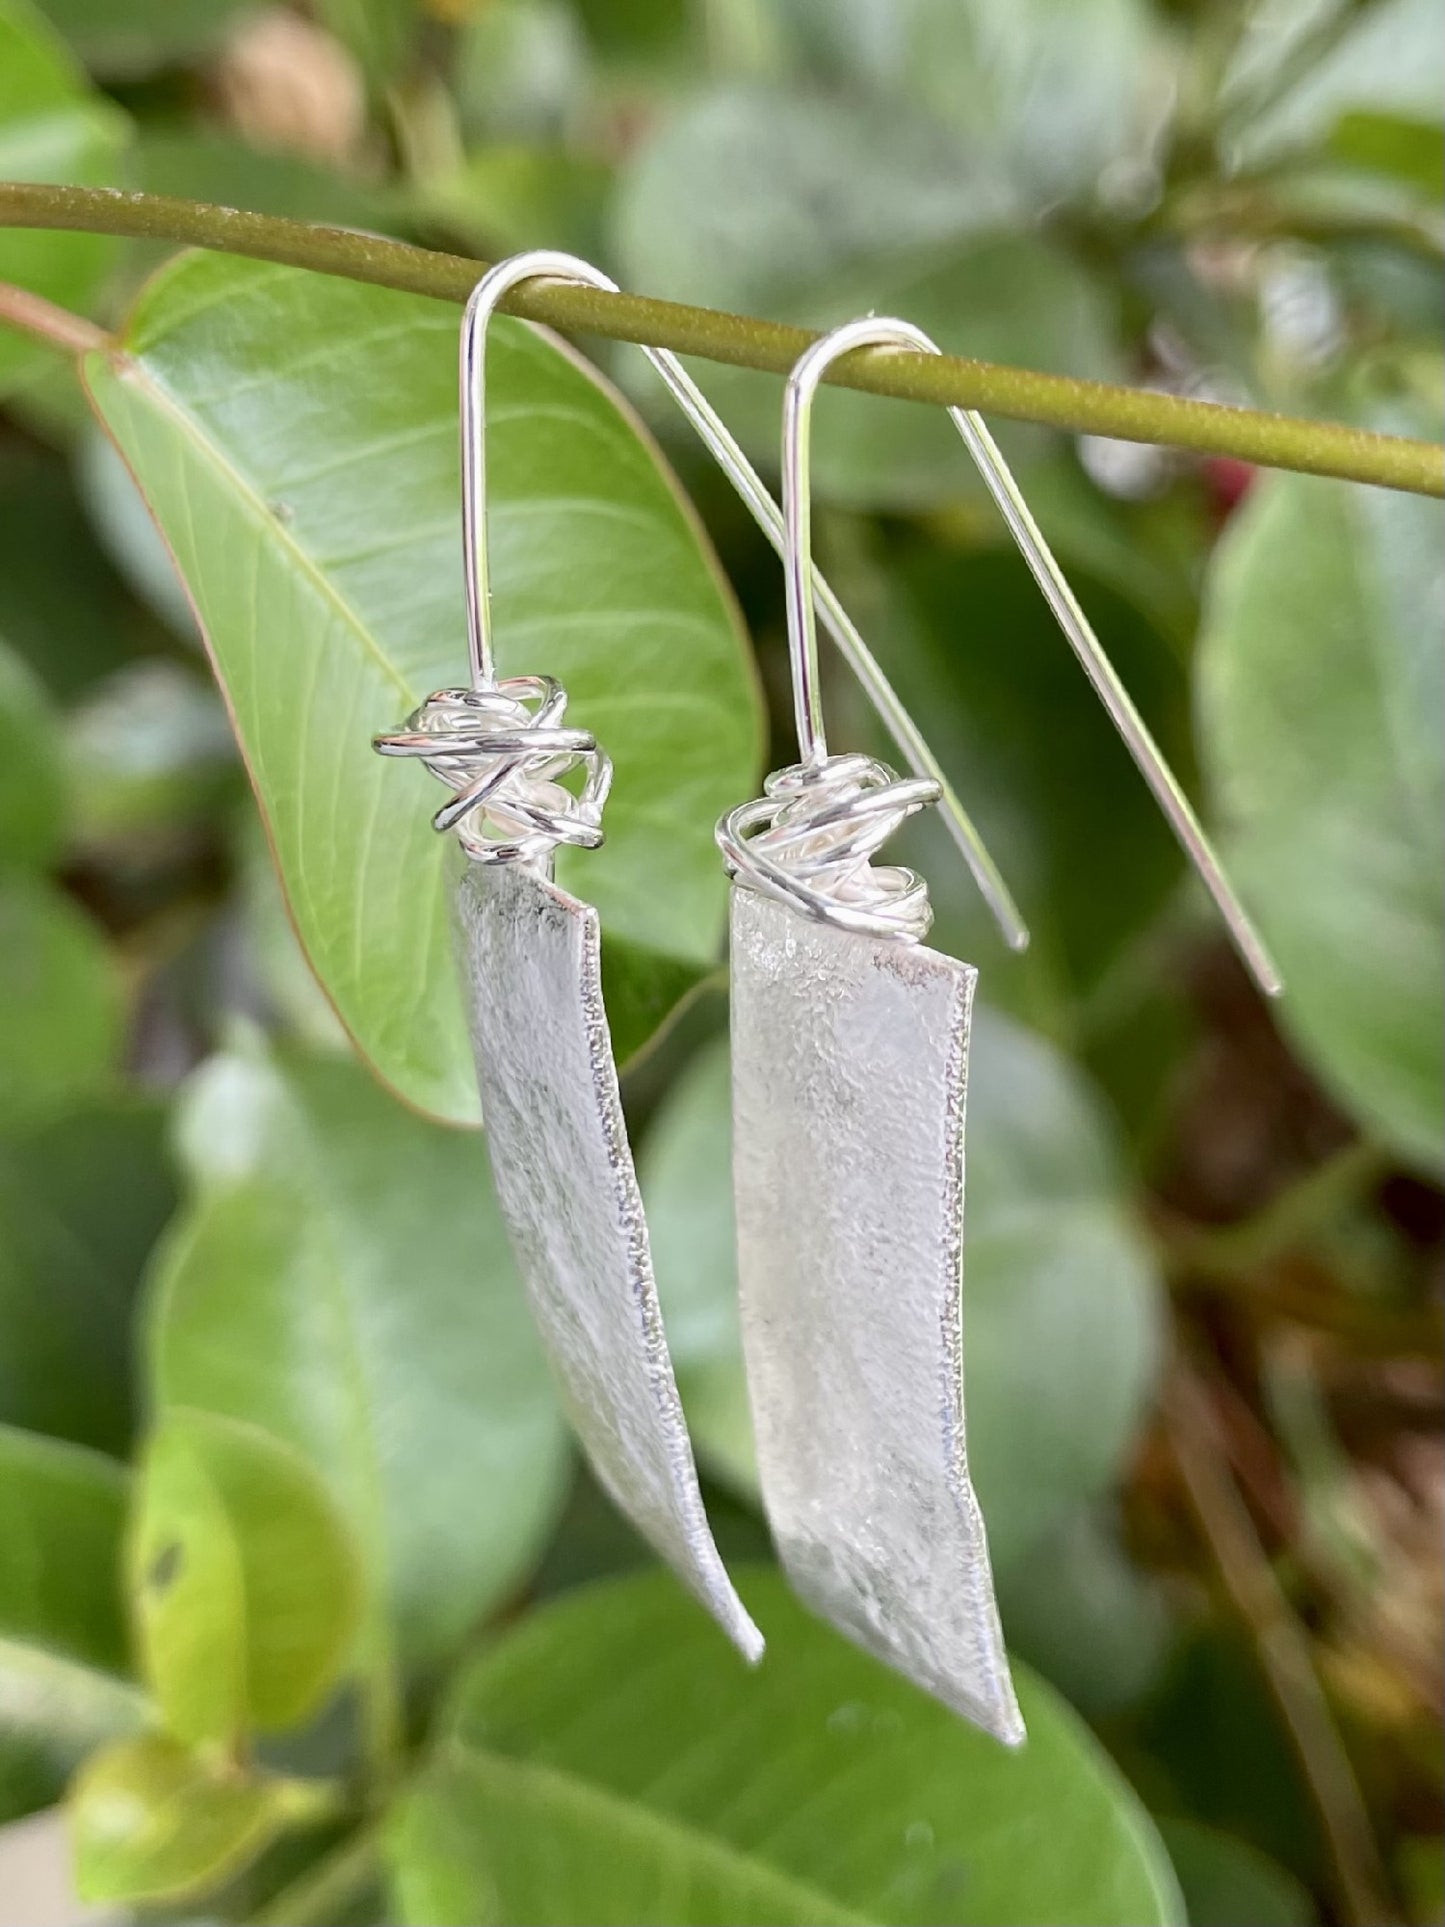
(531, 959)
(850, 1052)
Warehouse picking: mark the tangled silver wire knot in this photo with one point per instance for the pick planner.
(503, 753)
(810, 842)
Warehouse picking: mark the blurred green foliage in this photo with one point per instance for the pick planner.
(292, 1550)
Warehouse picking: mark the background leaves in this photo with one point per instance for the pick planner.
(712, 1818)
(1182, 1212)
(1321, 680)
(341, 1279)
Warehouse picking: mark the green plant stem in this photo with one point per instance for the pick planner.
(1087, 407)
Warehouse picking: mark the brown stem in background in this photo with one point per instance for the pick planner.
(1360, 1889)
(43, 321)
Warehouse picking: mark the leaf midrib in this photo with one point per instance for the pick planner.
(588, 1798)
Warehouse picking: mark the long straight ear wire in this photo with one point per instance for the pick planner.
(548, 264)
(999, 480)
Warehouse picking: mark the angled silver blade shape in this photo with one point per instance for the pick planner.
(849, 1077)
(531, 965)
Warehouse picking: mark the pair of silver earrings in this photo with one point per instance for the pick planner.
(850, 1050)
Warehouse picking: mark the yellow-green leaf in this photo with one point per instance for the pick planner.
(244, 1582)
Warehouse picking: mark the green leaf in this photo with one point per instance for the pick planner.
(815, 210)
(141, 35)
(1063, 96)
(1227, 1883)
(150, 1821)
(1320, 686)
(611, 1762)
(83, 1198)
(62, 1627)
(747, 193)
(1081, 1612)
(61, 1513)
(342, 1279)
(295, 437)
(1387, 62)
(522, 71)
(378, 32)
(997, 296)
(52, 128)
(245, 1584)
(1062, 1306)
(60, 1002)
(61, 606)
(685, 1169)
(151, 760)
(1040, 767)
(32, 794)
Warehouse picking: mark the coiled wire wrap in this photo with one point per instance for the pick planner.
(810, 840)
(503, 753)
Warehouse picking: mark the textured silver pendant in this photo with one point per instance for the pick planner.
(568, 1191)
(524, 782)
(849, 1076)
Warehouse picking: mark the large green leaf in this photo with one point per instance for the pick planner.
(52, 128)
(1061, 95)
(62, 1626)
(83, 1198)
(1321, 682)
(244, 1581)
(295, 437)
(973, 647)
(60, 1002)
(342, 1280)
(610, 1761)
(855, 211)
(1061, 1303)
(746, 192)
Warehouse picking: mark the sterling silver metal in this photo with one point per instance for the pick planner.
(532, 956)
(849, 1066)
(850, 1057)
(1043, 564)
(850, 1054)
(531, 960)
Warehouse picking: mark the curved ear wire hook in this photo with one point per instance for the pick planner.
(546, 263)
(802, 633)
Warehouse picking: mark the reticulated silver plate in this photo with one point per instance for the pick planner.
(531, 959)
(849, 1075)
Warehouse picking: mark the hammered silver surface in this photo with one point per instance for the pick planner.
(849, 1063)
(568, 1191)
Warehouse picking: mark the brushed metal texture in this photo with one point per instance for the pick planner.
(849, 1065)
(531, 961)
